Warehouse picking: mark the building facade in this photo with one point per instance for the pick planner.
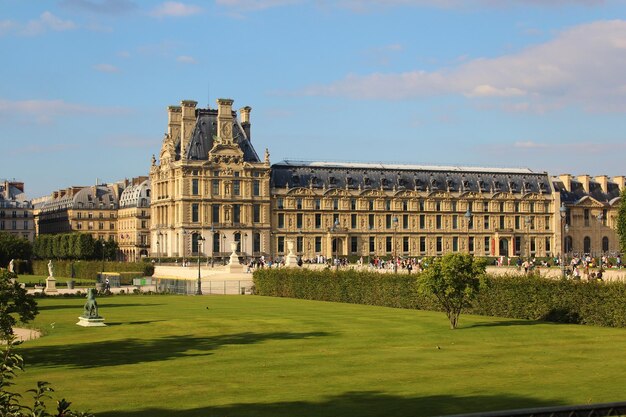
(133, 220)
(16, 212)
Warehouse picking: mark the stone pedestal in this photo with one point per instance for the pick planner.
(233, 264)
(51, 286)
(291, 260)
(91, 322)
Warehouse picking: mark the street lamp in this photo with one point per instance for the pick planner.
(199, 290)
(333, 231)
(563, 213)
(223, 247)
(527, 222)
(600, 218)
(243, 248)
(395, 230)
(468, 219)
(103, 245)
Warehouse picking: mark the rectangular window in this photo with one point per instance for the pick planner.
(335, 218)
(281, 220)
(405, 205)
(318, 204)
(299, 244)
(438, 206)
(532, 207)
(299, 220)
(112, 226)
(422, 221)
(237, 213)
(387, 205)
(256, 242)
(547, 223)
(279, 203)
(501, 222)
(455, 244)
(548, 248)
(215, 187)
(501, 207)
(405, 221)
(485, 206)
(439, 244)
(586, 217)
(486, 223)
(438, 221)
(455, 221)
(516, 207)
(354, 244)
(318, 244)
(471, 244)
(79, 215)
(195, 217)
(256, 213)
(487, 243)
(281, 244)
(335, 204)
(405, 244)
(370, 220)
(453, 206)
(370, 205)
(372, 244)
(517, 222)
(518, 245)
(388, 221)
(532, 245)
(318, 220)
(388, 244)
(353, 221)
(216, 213)
(236, 187)
(353, 204)
(100, 225)
(298, 203)
(421, 205)
(79, 225)
(256, 188)
(195, 189)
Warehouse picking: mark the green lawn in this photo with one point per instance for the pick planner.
(30, 280)
(260, 356)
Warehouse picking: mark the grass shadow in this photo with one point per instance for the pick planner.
(505, 323)
(362, 404)
(101, 305)
(119, 323)
(134, 351)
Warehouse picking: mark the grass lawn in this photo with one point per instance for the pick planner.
(41, 279)
(261, 356)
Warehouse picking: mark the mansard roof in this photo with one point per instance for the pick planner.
(288, 174)
(577, 191)
(94, 197)
(206, 129)
(136, 195)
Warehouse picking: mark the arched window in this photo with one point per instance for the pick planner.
(587, 244)
(605, 244)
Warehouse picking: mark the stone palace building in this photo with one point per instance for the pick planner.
(210, 188)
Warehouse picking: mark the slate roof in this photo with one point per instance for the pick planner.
(96, 197)
(408, 177)
(577, 191)
(204, 131)
(136, 195)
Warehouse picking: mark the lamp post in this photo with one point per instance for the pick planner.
(333, 231)
(468, 219)
(223, 247)
(600, 218)
(527, 222)
(103, 245)
(271, 251)
(243, 248)
(563, 213)
(199, 290)
(395, 230)
(159, 246)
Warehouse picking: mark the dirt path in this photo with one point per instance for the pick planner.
(26, 334)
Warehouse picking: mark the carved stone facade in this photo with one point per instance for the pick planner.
(210, 188)
(133, 220)
(16, 212)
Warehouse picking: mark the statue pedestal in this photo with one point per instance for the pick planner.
(233, 264)
(51, 285)
(291, 260)
(93, 322)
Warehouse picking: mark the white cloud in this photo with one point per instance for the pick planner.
(585, 65)
(106, 68)
(366, 5)
(46, 21)
(45, 111)
(175, 9)
(186, 59)
(7, 26)
(529, 145)
(110, 7)
(251, 5)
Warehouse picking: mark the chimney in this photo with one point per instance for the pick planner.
(188, 122)
(603, 180)
(245, 119)
(225, 120)
(174, 114)
(620, 181)
(566, 179)
(584, 181)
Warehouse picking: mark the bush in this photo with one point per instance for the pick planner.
(516, 296)
(87, 269)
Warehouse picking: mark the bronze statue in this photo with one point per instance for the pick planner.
(91, 306)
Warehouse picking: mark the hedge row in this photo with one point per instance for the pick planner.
(91, 269)
(522, 297)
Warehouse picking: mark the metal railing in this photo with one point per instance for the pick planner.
(586, 410)
(189, 287)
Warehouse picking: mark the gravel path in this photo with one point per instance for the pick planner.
(26, 334)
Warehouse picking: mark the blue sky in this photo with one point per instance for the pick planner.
(504, 83)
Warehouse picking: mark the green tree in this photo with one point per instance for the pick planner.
(621, 222)
(454, 280)
(13, 247)
(14, 302)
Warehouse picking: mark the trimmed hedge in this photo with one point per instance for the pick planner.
(91, 269)
(515, 296)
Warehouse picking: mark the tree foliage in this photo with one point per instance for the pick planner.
(14, 303)
(73, 246)
(13, 247)
(454, 280)
(621, 222)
